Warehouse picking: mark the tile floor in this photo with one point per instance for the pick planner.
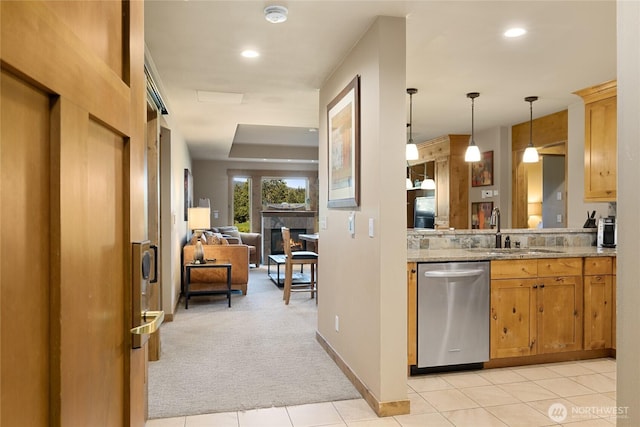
(584, 393)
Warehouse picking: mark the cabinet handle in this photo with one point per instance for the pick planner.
(413, 271)
(542, 286)
(541, 309)
(535, 286)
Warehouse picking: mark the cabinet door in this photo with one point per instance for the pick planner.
(513, 318)
(600, 161)
(559, 312)
(412, 313)
(614, 306)
(597, 312)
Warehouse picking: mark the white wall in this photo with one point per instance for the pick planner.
(496, 140)
(363, 279)
(211, 180)
(628, 343)
(173, 225)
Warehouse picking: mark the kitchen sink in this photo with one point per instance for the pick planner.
(514, 251)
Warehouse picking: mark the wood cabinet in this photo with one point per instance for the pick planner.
(536, 306)
(600, 142)
(614, 304)
(598, 303)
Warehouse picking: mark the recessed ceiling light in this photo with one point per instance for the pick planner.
(250, 53)
(515, 32)
(275, 14)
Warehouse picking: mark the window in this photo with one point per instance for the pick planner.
(285, 190)
(242, 203)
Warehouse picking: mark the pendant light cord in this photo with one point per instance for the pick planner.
(531, 122)
(410, 118)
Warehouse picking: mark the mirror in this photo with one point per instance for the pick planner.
(538, 190)
(546, 188)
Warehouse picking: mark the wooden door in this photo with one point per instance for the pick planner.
(513, 318)
(597, 312)
(72, 108)
(559, 312)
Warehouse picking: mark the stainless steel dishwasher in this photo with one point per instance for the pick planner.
(453, 313)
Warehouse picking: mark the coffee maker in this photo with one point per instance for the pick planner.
(607, 232)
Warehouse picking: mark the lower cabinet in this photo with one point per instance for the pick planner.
(598, 303)
(536, 306)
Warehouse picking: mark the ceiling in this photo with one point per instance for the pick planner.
(228, 107)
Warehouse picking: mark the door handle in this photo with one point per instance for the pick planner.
(154, 248)
(153, 318)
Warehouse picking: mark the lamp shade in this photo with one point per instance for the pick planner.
(534, 208)
(428, 184)
(472, 154)
(530, 155)
(199, 218)
(412, 152)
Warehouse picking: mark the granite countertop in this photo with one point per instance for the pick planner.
(482, 254)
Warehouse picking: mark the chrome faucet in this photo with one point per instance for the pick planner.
(495, 222)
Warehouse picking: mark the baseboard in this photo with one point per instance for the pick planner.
(382, 409)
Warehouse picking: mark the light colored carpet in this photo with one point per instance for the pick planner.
(258, 353)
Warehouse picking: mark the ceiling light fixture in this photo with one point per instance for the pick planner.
(250, 53)
(473, 152)
(530, 153)
(412, 149)
(275, 14)
(515, 32)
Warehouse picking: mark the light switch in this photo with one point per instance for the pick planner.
(216, 214)
(559, 218)
(323, 223)
(370, 227)
(559, 195)
(352, 223)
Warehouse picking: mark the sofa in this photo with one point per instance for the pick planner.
(253, 240)
(216, 247)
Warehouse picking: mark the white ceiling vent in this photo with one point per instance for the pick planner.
(226, 98)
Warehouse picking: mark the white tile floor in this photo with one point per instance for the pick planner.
(519, 396)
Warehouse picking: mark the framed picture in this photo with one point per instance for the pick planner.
(482, 171)
(343, 122)
(188, 193)
(481, 215)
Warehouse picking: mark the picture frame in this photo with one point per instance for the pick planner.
(343, 134)
(188, 193)
(482, 171)
(481, 215)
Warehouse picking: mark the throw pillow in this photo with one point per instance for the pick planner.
(216, 239)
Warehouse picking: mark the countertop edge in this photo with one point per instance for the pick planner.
(441, 255)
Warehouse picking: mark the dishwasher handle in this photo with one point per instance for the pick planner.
(453, 273)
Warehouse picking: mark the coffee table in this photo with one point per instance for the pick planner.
(210, 264)
(278, 278)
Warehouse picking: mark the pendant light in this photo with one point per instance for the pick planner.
(530, 153)
(427, 183)
(412, 149)
(473, 152)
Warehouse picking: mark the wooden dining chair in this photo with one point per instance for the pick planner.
(297, 258)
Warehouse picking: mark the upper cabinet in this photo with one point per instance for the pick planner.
(600, 142)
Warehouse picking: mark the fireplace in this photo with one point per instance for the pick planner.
(299, 222)
(296, 243)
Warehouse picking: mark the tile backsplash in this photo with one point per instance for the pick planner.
(464, 239)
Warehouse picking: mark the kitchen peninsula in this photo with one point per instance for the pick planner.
(552, 298)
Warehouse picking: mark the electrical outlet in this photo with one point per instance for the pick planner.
(559, 218)
(337, 323)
